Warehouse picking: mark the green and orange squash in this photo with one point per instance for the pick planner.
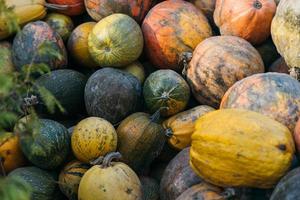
(172, 28)
(217, 63)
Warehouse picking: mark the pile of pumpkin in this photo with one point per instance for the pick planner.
(164, 100)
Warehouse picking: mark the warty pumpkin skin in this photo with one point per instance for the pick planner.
(248, 19)
(180, 127)
(217, 63)
(116, 41)
(279, 66)
(140, 140)
(137, 9)
(11, 156)
(178, 176)
(232, 148)
(275, 95)
(172, 28)
(93, 137)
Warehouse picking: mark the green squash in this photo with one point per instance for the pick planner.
(116, 41)
(41, 182)
(47, 145)
(167, 91)
(14, 188)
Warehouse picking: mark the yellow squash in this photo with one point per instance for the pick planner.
(93, 137)
(180, 127)
(241, 148)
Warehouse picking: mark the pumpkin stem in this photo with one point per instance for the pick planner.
(97, 161)
(295, 73)
(109, 157)
(2, 167)
(184, 60)
(56, 6)
(169, 133)
(257, 4)
(228, 193)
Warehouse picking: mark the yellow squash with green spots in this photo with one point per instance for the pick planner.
(93, 137)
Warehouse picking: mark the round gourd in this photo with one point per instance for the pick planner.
(47, 146)
(177, 177)
(150, 188)
(248, 19)
(239, 152)
(110, 181)
(180, 127)
(279, 66)
(288, 187)
(172, 28)
(70, 176)
(112, 94)
(74, 7)
(93, 137)
(137, 70)
(78, 45)
(60, 23)
(217, 63)
(27, 43)
(276, 95)
(11, 156)
(207, 7)
(67, 86)
(284, 29)
(140, 140)
(6, 64)
(137, 9)
(41, 182)
(115, 41)
(166, 91)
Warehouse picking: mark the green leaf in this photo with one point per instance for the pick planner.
(50, 49)
(6, 84)
(7, 119)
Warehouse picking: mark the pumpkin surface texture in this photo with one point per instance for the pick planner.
(172, 28)
(217, 63)
(248, 19)
(281, 102)
(241, 152)
(60, 23)
(207, 7)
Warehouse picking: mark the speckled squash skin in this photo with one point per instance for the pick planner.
(10, 152)
(238, 152)
(217, 63)
(27, 42)
(78, 45)
(288, 187)
(70, 176)
(248, 19)
(75, 7)
(42, 183)
(150, 188)
(285, 28)
(137, 9)
(112, 94)
(202, 191)
(117, 181)
(116, 41)
(172, 28)
(6, 64)
(275, 95)
(180, 127)
(177, 177)
(279, 66)
(140, 140)
(93, 137)
(167, 91)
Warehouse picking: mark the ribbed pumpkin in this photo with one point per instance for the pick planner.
(137, 9)
(140, 140)
(11, 156)
(60, 23)
(93, 137)
(70, 176)
(217, 63)
(171, 28)
(285, 29)
(78, 45)
(110, 181)
(150, 188)
(239, 152)
(116, 41)
(180, 127)
(26, 46)
(177, 177)
(207, 7)
(112, 94)
(276, 95)
(279, 66)
(203, 191)
(137, 70)
(6, 64)
(74, 7)
(288, 187)
(248, 19)
(166, 91)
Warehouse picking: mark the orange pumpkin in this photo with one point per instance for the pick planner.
(74, 7)
(171, 28)
(206, 6)
(248, 19)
